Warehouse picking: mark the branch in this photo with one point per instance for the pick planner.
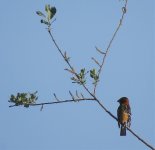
(96, 61)
(97, 49)
(129, 129)
(58, 102)
(110, 43)
(139, 138)
(69, 64)
(102, 106)
(83, 99)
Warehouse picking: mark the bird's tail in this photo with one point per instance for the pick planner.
(123, 130)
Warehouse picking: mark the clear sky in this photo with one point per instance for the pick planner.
(29, 62)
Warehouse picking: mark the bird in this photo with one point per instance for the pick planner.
(124, 115)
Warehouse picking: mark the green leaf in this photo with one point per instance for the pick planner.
(94, 76)
(92, 73)
(47, 8)
(83, 70)
(53, 10)
(12, 98)
(26, 105)
(45, 22)
(40, 13)
(49, 14)
(24, 99)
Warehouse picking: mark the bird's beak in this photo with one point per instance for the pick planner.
(118, 101)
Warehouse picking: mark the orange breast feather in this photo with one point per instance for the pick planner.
(124, 117)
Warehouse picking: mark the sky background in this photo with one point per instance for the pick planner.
(29, 62)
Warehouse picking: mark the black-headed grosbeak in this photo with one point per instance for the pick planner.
(124, 115)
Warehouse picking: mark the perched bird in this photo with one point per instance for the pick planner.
(123, 115)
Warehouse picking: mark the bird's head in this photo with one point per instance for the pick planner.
(123, 100)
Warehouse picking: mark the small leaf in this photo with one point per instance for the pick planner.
(49, 15)
(53, 10)
(40, 13)
(47, 8)
(12, 98)
(83, 70)
(45, 22)
(92, 73)
(26, 105)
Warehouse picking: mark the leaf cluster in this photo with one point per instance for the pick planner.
(23, 99)
(94, 75)
(50, 12)
(81, 77)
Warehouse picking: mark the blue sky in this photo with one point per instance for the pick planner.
(29, 62)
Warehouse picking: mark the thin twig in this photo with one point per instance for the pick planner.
(70, 71)
(60, 51)
(71, 95)
(42, 106)
(110, 43)
(82, 95)
(103, 53)
(96, 61)
(77, 94)
(56, 97)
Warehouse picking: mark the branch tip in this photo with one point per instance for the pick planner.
(97, 49)
(82, 95)
(71, 95)
(77, 94)
(96, 61)
(41, 107)
(56, 97)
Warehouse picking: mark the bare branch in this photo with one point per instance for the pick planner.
(139, 138)
(60, 51)
(77, 94)
(111, 41)
(56, 97)
(71, 95)
(41, 107)
(58, 102)
(70, 71)
(96, 61)
(54, 20)
(82, 95)
(103, 53)
(129, 129)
